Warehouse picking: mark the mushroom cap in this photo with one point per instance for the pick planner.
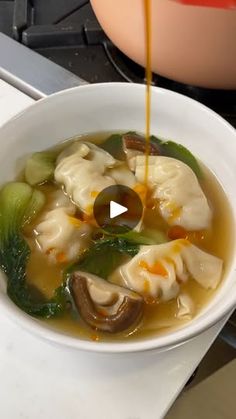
(105, 306)
(135, 145)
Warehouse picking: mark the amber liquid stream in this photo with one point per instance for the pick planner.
(147, 10)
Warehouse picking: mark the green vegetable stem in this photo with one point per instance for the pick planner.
(19, 204)
(40, 167)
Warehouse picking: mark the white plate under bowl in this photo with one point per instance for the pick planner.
(115, 107)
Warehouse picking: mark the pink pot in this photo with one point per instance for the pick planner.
(194, 45)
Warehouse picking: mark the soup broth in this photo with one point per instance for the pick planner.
(159, 317)
(159, 277)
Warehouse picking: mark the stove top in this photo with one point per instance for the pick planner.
(68, 33)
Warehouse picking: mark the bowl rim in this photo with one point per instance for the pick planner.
(163, 342)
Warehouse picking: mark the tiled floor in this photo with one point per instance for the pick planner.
(212, 394)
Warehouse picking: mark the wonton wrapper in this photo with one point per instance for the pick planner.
(176, 187)
(85, 170)
(59, 234)
(155, 269)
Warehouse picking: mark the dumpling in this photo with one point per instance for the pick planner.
(176, 187)
(122, 176)
(81, 170)
(158, 270)
(206, 269)
(61, 200)
(85, 170)
(186, 307)
(59, 234)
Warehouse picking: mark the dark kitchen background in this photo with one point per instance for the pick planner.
(68, 33)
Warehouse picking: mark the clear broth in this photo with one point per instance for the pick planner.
(158, 318)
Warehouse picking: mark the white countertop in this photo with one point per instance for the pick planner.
(42, 381)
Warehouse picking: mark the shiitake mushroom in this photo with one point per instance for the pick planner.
(105, 306)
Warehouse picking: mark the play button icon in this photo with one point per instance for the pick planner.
(118, 209)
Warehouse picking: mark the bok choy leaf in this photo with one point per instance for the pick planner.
(114, 146)
(19, 204)
(40, 167)
(104, 256)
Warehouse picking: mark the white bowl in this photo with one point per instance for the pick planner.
(120, 106)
